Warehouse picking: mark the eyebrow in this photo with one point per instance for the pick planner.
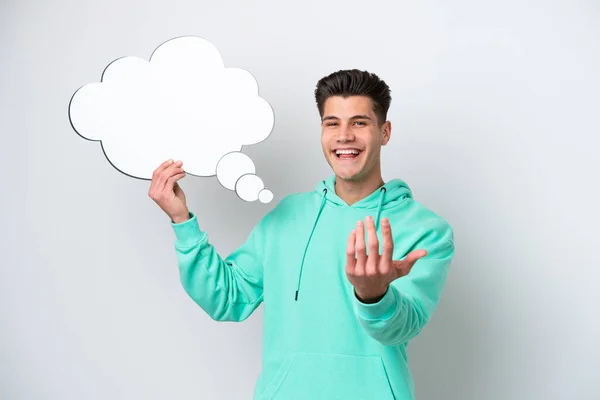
(329, 117)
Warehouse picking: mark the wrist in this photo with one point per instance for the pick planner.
(383, 310)
(178, 219)
(370, 297)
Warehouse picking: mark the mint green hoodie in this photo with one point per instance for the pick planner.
(319, 340)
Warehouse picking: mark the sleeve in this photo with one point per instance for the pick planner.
(411, 300)
(226, 289)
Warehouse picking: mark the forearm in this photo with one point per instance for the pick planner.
(392, 320)
(221, 288)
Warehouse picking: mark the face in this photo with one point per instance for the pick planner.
(352, 137)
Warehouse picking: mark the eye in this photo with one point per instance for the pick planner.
(331, 124)
(362, 123)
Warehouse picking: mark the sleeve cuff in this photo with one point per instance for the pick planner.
(188, 233)
(384, 309)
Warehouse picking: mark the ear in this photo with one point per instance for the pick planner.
(386, 132)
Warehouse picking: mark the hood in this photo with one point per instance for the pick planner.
(393, 191)
(384, 197)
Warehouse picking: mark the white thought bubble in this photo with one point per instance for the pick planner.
(183, 104)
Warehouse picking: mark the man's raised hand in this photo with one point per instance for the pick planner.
(167, 193)
(371, 275)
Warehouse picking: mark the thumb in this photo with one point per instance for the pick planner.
(405, 265)
(416, 254)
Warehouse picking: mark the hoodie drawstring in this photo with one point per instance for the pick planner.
(381, 195)
(308, 242)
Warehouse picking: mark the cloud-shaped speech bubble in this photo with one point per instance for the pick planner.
(183, 104)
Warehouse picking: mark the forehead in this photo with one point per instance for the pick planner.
(347, 107)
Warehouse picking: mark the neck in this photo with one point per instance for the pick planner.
(352, 191)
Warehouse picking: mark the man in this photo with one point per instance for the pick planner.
(340, 304)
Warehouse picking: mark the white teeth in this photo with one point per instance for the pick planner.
(349, 151)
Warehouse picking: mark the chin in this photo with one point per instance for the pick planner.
(347, 175)
(346, 172)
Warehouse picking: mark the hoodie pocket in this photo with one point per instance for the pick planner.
(318, 376)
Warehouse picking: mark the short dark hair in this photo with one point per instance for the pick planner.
(353, 82)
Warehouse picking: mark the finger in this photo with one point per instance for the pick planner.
(405, 266)
(171, 181)
(401, 268)
(361, 250)
(161, 168)
(414, 255)
(167, 173)
(373, 258)
(351, 253)
(158, 178)
(155, 175)
(385, 263)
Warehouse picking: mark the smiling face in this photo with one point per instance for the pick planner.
(352, 137)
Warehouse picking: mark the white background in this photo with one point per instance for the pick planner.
(495, 127)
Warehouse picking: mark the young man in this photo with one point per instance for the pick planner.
(349, 273)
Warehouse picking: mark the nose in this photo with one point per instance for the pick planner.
(345, 134)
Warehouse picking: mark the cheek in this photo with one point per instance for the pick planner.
(372, 141)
